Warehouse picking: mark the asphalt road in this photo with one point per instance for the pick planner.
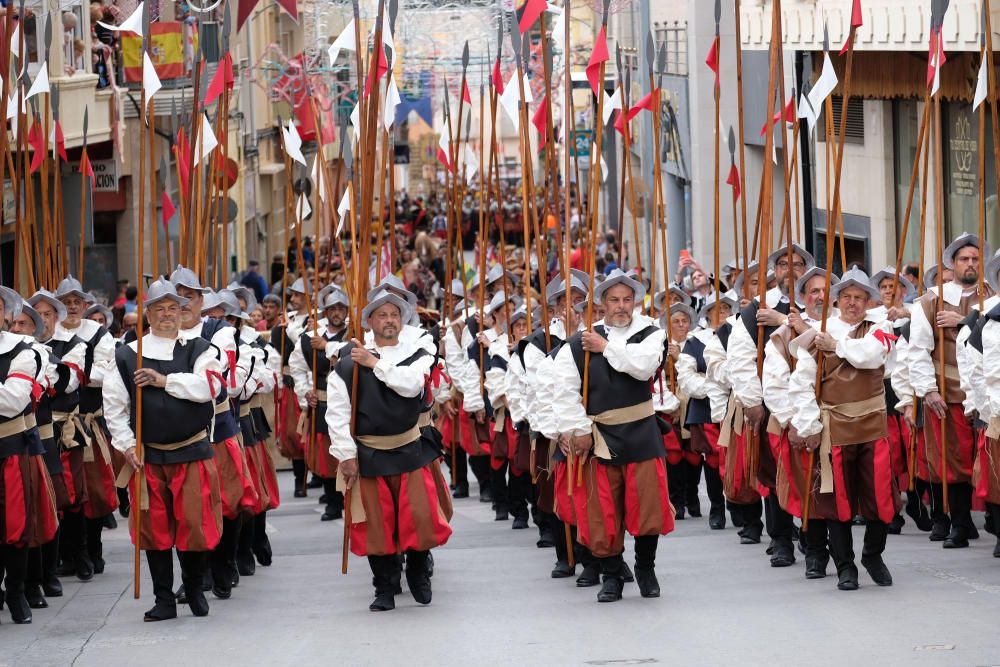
(494, 604)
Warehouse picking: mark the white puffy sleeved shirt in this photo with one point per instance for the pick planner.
(104, 351)
(407, 381)
(15, 389)
(865, 353)
(640, 360)
(194, 386)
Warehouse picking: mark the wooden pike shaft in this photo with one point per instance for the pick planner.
(718, 185)
(742, 170)
(939, 225)
(991, 79)
(830, 230)
(139, 482)
(593, 196)
(83, 212)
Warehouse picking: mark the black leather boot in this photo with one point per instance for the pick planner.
(51, 585)
(752, 527)
(645, 560)
(193, 575)
(161, 569)
(842, 550)
(95, 545)
(781, 530)
(960, 504)
(261, 543)
(418, 576)
(519, 488)
(993, 512)
(713, 485)
(33, 580)
(223, 559)
(871, 552)
(124, 503)
(481, 470)
(676, 481)
(385, 571)
(817, 554)
(546, 531)
(334, 500)
(562, 568)
(501, 492)
(461, 486)
(245, 563)
(611, 589)
(299, 472)
(590, 575)
(940, 522)
(916, 509)
(16, 565)
(692, 478)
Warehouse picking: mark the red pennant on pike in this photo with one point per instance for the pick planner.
(86, 168)
(168, 210)
(37, 143)
(734, 180)
(223, 78)
(538, 120)
(713, 60)
(497, 77)
(528, 12)
(598, 55)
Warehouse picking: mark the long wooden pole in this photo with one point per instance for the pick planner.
(718, 183)
(141, 249)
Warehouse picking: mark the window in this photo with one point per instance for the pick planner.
(906, 122)
(855, 130)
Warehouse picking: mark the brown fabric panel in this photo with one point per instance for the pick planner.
(443, 492)
(101, 496)
(154, 521)
(958, 471)
(767, 470)
(821, 505)
(73, 463)
(651, 519)
(599, 540)
(192, 505)
(931, 305)
(256, 469)
(377, 543)
(230, 479)
(738, 487)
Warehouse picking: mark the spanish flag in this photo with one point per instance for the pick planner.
(166, 51)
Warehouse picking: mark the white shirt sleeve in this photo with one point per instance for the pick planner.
(900, 376)
(534, 359)
(195, 386)
(966, 371)
(774, 382)
(75, 357)
(640, 360)
(567, 400)
(338, 418)
(715, 362)
(690, 382)
(802, 395)
(301, 375)
(15, 392)
(407, 381)
(741, 367)
(104, 360)
(920, 355)
(496, 377)
(116, 411)
(991, 372)
(866, 353)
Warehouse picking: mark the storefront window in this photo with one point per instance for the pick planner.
(906, 123)
(961, 158)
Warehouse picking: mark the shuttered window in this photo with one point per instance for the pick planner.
(855, 133)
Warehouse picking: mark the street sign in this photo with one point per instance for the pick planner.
(582, 141)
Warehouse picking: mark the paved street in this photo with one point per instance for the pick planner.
(494, 603)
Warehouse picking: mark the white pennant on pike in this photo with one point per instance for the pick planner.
(824, 85)
(302, 209)
(150, 80)
(344, 42)
(471, 163)
(132, 24)
(41, 83)
(981, 86)
(343, 208)
(511, 94)
(392, 100)
(318, 180)
(612, 103)
(293, 143)
(206, 140)
(356, 121)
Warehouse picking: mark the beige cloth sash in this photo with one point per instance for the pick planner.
(499, 418)
(244, 410)
(851, 410)
(71, 423)
(256, 401)
(357, 507)
(222, 407)
(46, 431)
(389, 442)
(731, 423)
(617, 417)
(424, 420)
(993, 428)
(126, 473)
(90, 421)
(774, 426)
(13, 427)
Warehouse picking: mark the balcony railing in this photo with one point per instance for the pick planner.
(674, 36)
